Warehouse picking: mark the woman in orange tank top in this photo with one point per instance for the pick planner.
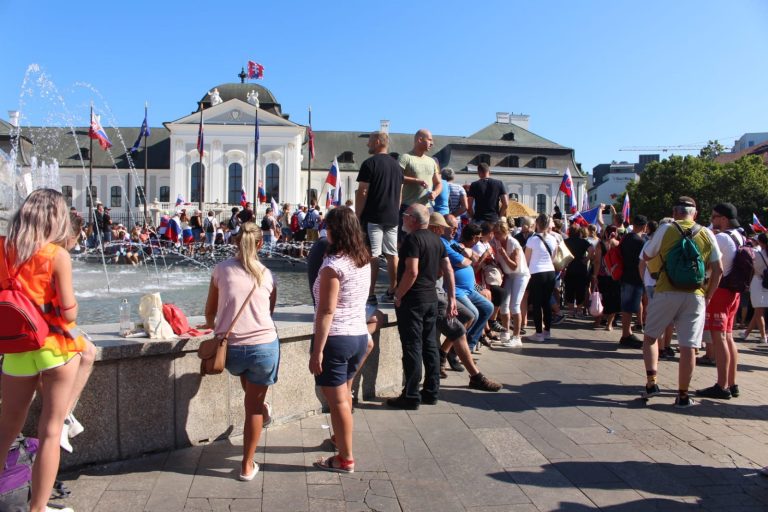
(33, 252)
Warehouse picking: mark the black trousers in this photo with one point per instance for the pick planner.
(416, 325)
(541, 286)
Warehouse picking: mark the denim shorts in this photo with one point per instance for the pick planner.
(342, 356)
(258, 363)
(631, 296)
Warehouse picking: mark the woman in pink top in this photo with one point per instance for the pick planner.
(253, 352)
(341, 333)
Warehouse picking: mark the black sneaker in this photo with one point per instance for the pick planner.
(683, 402)
(668, 353)
(734, 390)
(401, 402)
(426, 400)
(483, 383)
(443, 374)
(485, 341)
(637, 328)
(558, 319)
(454, 363)
(652, 390)
(705, 361)
(631, 341)
(523, 332)
(496, 326)
(714, 392)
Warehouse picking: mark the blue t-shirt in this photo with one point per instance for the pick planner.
(440, 203)
(463, 276)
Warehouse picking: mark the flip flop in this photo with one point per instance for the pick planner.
(344, 466)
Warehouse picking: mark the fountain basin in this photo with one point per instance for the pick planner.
(147, 395)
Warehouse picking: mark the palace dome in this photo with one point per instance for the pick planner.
(230, 91)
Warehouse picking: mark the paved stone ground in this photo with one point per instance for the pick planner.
(567, 432)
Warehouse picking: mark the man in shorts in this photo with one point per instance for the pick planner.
(379, 189)
(721, 311)
(686, 308)
(631, 281)
(422, 182)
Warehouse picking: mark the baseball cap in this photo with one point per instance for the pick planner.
(685, 201)
(728, 211)
(435, 219)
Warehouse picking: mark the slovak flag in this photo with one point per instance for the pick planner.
(262, 194)
(333, 173)
(96, 132)
(566, 186)
(243, 199)
(179, 200)
(174, 230)
(586, 217)
(625, 208)
(255, 70)
(336, 196)
(757, 226)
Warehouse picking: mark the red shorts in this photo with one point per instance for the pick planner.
(721, 310)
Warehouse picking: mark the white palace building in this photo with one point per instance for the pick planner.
(530, 166)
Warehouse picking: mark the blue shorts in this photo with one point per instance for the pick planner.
(342, 356)
(257, 363)
(631, 296)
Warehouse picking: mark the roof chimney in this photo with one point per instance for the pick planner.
(520, 120)
(13, 118)
(502, 117)
(384, 126)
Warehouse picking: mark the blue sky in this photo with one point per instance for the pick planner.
(593, 75)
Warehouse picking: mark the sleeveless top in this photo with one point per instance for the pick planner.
(36, 279)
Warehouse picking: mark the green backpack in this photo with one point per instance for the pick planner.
(684, 265)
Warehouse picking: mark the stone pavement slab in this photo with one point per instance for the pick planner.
(567, 432)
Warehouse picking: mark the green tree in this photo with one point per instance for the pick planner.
(743, 183)
(711, 150)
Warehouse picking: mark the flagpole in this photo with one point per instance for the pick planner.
(90, 173)
(256, 160)
(309, 162)
(201, 175)
(146, 218)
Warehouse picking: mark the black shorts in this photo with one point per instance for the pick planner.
(342, 356)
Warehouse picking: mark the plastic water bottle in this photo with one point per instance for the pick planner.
(125, 318)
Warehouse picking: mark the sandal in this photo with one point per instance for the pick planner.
(339, 466)
(250, 476)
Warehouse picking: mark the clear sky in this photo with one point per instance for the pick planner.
(593, 75)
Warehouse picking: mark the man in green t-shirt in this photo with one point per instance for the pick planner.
(421, 183)
(685, 308)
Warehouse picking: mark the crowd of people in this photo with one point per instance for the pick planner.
(461, 275)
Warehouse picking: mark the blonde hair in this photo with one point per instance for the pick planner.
(43, 218)
(248, 254)
(501, 226)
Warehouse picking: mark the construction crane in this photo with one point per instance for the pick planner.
(664, 149)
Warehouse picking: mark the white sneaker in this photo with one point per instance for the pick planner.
(763, 341)
(65, 509)
(516, 342)
(75, 427)
(744, 335)
(506, 343)
(547, 335)
(539, 336)
(64, 440)
(504, 337)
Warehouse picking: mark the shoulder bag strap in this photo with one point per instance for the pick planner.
(240, 312)
(545, 243)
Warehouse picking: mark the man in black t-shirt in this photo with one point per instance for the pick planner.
(487, 198)
(631, 281)
(422, 257)
(246, 214)
(377, 200)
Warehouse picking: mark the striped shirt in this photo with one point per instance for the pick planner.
(349, 318)
(454, 199)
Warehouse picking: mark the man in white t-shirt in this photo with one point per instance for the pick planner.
(721, 310)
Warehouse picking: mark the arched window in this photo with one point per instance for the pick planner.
(66, 191)
(510, 161)
(540, 162)
(115, 197)
(194, 192)
(139, 196)
(482, 158)
(272, 185)
(165, 194)
(235, 183)
(541, 203)
(92, 197)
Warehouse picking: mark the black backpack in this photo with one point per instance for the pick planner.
(208, 226)
(233, 222)
(743, 267)
(265, 224)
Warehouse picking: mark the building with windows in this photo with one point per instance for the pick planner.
(530, 165)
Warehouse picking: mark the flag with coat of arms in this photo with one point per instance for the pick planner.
(566, 187)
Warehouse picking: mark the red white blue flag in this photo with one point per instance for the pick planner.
(179, 200)
(566, 186)
(625, 208)
(255, 70)
(586, 217)
(243, 199)
(757, 226)
(200, 137)
(96, 132)
(333, 173)
(262, 193)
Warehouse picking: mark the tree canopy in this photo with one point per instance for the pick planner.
(743, 183)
